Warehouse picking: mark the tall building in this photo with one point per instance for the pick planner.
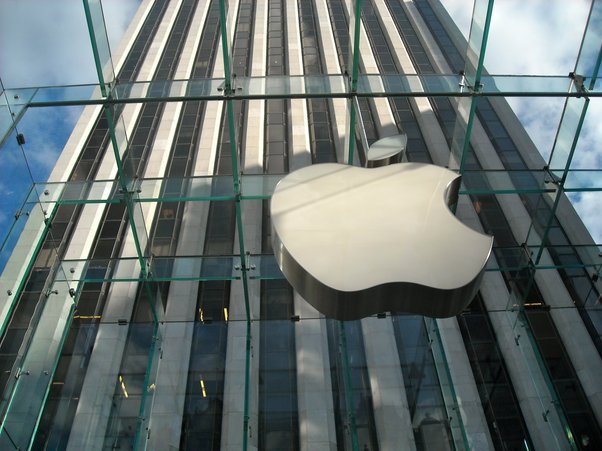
(141, 306)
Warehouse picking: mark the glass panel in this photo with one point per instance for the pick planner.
(13, 104)
(16, 183)
(163, 268)
(127, 171)
(137, 217)
(201, 425)
(567, 135)
(518, 85)
(508, 258)
(66, 95)
(484, 182)
(187, 188)
(11, 229)
(149, 386)
(590, 54)
(153, 190)
(353, 59)
(278, 410)
(75, 192)
(583, 180)
(100, 41)
(545, 392)
(460, 146)
(446, 385)
(305, 86)
(38, 359)
(127, 183)
(134, 388)
(352, 396)
(477, 182)
(16, 256)
(477, 41)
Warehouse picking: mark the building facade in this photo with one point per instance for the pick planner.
(132, 321)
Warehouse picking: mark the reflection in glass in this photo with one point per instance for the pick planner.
(278, 418)
(130, 388)
(203, 403)
(360, 387)
(425, 400)
(506, 423)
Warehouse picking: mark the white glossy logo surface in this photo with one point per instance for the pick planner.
(356, 242)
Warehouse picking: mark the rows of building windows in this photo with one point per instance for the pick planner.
(578, 281)
(53, 430)
(417, 149)
(491, 215)
(278, 417)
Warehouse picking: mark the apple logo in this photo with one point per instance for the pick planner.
(356, 242)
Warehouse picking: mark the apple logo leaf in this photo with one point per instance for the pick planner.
(356, 242)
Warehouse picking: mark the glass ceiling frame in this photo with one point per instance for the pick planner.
(554, 180)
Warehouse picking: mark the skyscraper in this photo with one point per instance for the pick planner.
(142, 307)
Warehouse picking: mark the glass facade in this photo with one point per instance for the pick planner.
(141, 305)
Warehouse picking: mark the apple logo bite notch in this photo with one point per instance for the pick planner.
(355, 242)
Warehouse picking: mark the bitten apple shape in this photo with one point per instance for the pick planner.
(355, 242)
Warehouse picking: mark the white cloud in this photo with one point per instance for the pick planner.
(589, 148)
(118, 14)
(587, 205)
(47, 42)
(44, 43)
(540, 117)
(529, 37)
(461, 13)
(535, 36)
(543, 37)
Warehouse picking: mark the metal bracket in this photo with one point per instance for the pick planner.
(20, 213)
(247, 266)
(578, 80)
(464, 84)
(233, 88)
(554, 179)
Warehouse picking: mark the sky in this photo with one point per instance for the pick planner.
(543, 37)
(51, 48)
(527, 37)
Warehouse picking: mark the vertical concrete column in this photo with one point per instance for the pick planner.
(580, 348)
(172, 376)
(425, 116)
(314, 390)
(234, 384)
(536, 402)
(575, 338)
(569, 326)
(330, 65)
(94, 408)
(16, 268)
(236, 353)
(127, 40)
(383, 116)
(527, 380)
(529, 384)
(391, 411)
(469, 402)
(473, 417)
